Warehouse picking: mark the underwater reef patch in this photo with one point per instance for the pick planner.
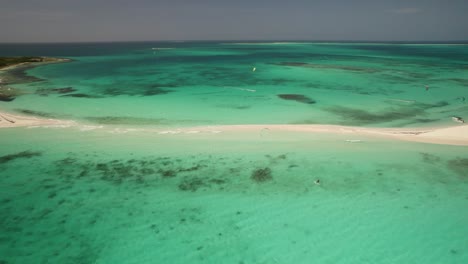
(430, 158)
(81, 95)
(47, 91)
(353, 116)
(191, 184)
(155, 90)
(34, 113)
(297, 97)
(20, 155)
(459, 166)
(261, 175)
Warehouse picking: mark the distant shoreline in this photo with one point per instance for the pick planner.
(10, 64)
(28, 61)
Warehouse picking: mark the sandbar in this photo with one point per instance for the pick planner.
(8, 120)
(454, 135)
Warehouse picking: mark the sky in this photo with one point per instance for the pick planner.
(146, 20)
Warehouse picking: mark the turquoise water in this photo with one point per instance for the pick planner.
(94, 197)
(85, 195)
(183, 84)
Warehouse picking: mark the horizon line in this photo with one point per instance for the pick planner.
(248, 40)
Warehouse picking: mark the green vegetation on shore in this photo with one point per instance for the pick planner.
(10, 61)
(7, 93)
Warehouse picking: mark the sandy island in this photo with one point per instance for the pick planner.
(455, 135)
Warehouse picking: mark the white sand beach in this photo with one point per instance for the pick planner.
(456, 135)
(8, 120)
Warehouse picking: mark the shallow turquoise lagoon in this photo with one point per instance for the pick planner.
(71, 196)
(118, 192)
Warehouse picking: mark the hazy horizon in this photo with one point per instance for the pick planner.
(52, 21)
(464, 41)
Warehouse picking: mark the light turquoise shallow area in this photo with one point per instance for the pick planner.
(96, 197)
(119, 192)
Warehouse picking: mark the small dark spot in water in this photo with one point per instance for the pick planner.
(298, 98)
(355, 116)
(102, 166)
(155, 91)
(193, 168)
(242, 107)
(52, 195)
(220, 234)
(199, 248)
(429, 158)
(48, 186)
(34, 113)
(460, 166)
(191, 184)
(425, 120)
(19, 155)
(47, 91)
(238, 212)
(217, 181)
(453, 251)
(261, 175)
(168, 173)
(81, 95)
(45, 213)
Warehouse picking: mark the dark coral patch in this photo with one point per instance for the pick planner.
(47, 91)
(355, 116)
(297, 97)
(34, 113)
(81, 95)
(261, 175)
(155, 91)
(191, 184)
(459, 165)
(19, 155)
